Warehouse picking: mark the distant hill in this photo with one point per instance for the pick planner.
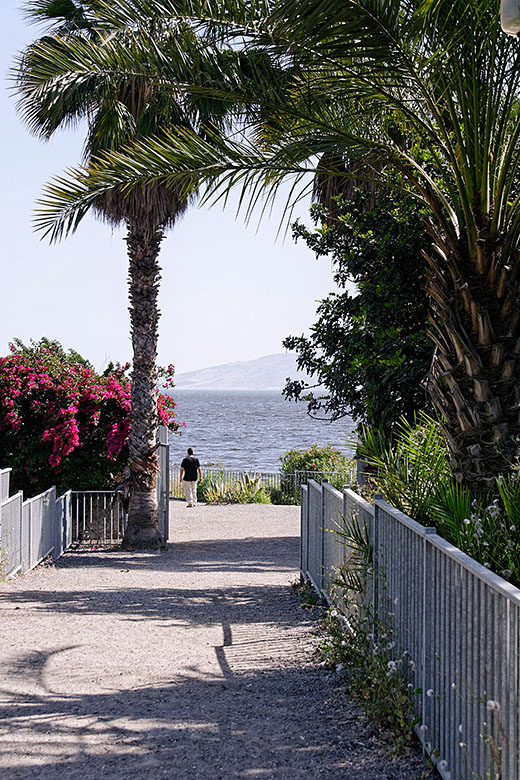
(265, 373)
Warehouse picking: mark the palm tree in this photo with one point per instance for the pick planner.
(118, 110)
(430, 88)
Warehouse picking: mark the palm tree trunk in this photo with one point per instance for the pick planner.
(143, 243)
(475, 325)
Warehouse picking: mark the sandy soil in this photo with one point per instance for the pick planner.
(193, 663)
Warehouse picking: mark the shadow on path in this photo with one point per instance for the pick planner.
(252, 554)
(218, 676)
(196, 607)
(259, 725)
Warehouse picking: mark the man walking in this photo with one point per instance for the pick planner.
(190, 468)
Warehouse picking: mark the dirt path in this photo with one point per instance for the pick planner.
(194, 663)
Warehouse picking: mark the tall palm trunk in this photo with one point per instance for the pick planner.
(143, 242)
(476, 329)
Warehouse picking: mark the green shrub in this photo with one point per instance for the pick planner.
(315, 463)
(411, 468)
(278, 496)
(413, 474)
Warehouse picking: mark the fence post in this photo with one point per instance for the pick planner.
(67, 520)
(426, 652)
(59, 515)
(30, 538)
(377, 562)
(324, 482)
(163, 486)
(304, 529)
(4, 484)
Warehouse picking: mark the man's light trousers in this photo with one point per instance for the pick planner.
(190, 491)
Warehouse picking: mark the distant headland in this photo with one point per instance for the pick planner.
(264, 373)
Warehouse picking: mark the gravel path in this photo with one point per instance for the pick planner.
(195, 663)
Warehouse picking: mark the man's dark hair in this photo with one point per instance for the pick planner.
(190, 451)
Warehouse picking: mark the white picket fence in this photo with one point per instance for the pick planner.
(33, 529)
(456, 623)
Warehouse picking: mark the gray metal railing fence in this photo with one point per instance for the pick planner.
(338, 479)
(457, 623)
(288, 485)
(163, 483)
(31, 530)
(100, 516)
(226, 477)
(4, 483)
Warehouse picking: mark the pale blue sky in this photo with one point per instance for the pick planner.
(229, 292)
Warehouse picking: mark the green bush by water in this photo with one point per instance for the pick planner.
(315, 463)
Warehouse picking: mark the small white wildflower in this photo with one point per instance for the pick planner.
(443, 765)
(409, 686)
(390, 645)
(429, 692)
(392, 666)
(454, 686)
(493, 509)
(462, 745)
(485, 544)
(492, 706)
(487, 565)
(334, 613)
(506, 573)
(412, 665)
(424, 727)
(466, 521)
(513, 528)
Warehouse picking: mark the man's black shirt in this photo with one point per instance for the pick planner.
(191, 465)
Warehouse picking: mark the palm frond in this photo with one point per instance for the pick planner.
(380, 77)
(411, 469)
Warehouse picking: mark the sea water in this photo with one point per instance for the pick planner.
(249, 429)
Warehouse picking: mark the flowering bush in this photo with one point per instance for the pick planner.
(62, 423)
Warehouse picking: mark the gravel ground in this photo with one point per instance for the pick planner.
(193, 663)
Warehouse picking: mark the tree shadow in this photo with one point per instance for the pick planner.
(256, 707)
(288, 723)
(188, 607)
(253, 554)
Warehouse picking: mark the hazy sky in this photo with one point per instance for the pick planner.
(229, 292)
